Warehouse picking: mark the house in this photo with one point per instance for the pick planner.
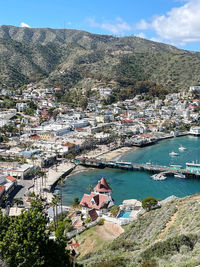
(21, 107)
(99, 201)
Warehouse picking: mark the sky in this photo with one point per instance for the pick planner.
(175, 22)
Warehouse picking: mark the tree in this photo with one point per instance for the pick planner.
(90, 188)
(55, 201)
(83, 103)
(114, 210)
(75, 202)
(26, 241)
(61, 183)
(149, 202)
(18, 201)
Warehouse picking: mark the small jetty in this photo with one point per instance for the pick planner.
(168, 170)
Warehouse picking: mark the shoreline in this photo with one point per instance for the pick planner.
(108, 155)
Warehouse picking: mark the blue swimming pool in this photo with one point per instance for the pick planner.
(124, 214)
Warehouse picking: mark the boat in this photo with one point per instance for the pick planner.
(192, 164)
(182, 148)
(158, 177)
(180, 175)
(176, 166)
(173, 154)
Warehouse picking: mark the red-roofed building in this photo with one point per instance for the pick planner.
(102, 187)
(99, 201)
(93, 214)
(2, 190)
(11, 178)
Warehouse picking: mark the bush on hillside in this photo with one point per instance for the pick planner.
(148, 203)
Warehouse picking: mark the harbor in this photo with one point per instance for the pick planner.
(139, 184)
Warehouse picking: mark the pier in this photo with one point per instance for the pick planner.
(169, 170)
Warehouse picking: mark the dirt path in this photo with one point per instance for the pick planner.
(94, 238)
(168, 225)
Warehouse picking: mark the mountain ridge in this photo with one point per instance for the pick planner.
(59, 56)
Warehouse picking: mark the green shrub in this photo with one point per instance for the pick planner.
(170, 246)
(149, 202)
(88, 220)
(114, 210)
(101, 221)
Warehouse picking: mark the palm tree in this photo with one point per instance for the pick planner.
(61, 183)
(54, 216)
(55, 201)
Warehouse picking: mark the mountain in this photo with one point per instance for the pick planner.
(69, 58)
(165, 237)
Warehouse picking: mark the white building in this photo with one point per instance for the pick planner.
(21, 106)
(195, 130)
(194, 88)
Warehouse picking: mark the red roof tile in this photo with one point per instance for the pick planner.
(74, 245)
(11, 178)
(2, 188)
(95, 201)
(102, 186)
(78, 223)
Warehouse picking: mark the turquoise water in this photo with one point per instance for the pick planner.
(129, 184)
(124, 214)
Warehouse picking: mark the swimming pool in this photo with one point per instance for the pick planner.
(124, 214)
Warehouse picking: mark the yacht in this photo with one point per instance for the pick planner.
(180, 175)
(158, 177)
(182, 148)
(173, 154)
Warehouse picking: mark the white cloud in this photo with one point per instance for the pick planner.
(142, 25)
(24, 25)
(180, 25)
(118, 27)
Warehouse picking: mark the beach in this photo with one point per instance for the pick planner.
(116, 154)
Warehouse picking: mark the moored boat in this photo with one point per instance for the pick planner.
(158, 177)
(182, 148)
(173, 154)
(180, 175)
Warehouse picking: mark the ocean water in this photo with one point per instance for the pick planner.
(135, 184)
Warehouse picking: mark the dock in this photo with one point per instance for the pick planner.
(169, 170)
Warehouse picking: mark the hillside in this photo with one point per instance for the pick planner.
(169, 236)
(77, 59)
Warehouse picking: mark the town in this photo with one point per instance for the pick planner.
(41, 138)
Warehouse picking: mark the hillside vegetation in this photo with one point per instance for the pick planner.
(76, 59)
(169, 236)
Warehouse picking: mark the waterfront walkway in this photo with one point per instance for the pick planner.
(43, 185)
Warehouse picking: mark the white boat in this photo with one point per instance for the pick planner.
(192, 164)
(173, 154)
(158, 177)
(182, 148)
(180, 175)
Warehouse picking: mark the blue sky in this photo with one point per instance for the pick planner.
(175, 22)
